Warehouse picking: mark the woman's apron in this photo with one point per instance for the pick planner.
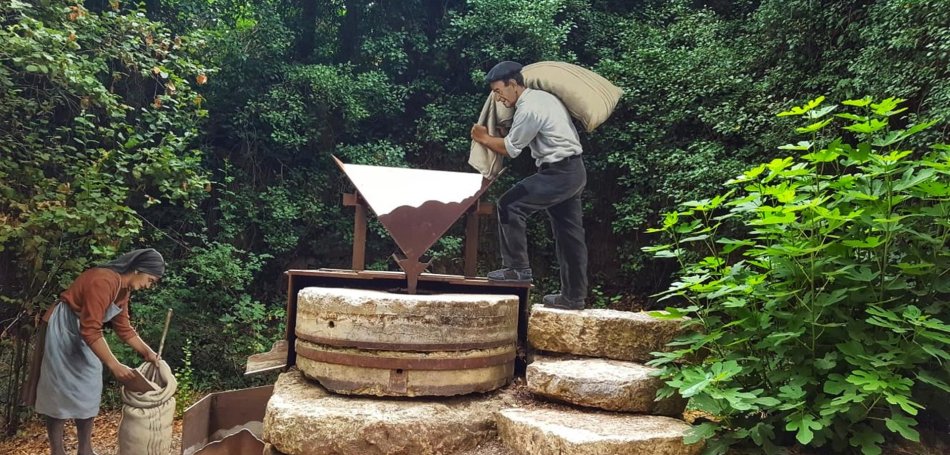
(70, 382)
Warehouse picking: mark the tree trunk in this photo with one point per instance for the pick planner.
(350, 31)
(308, 30)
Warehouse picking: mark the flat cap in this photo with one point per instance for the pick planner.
(502, 71)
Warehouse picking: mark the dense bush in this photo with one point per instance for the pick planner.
(99, 123)
(700, 82)
(818, 285)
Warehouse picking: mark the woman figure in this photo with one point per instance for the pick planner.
(69, 383)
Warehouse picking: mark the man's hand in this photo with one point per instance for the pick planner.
(495, 144)
(479, 133)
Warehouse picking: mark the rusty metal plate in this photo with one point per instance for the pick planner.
(415, 347)
(416, 206)
(275, 359)
(370, 360)
(398, 386)
(222, 411)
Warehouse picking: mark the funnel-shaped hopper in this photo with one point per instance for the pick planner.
(416, 206)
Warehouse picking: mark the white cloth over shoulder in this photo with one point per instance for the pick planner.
(494, 116)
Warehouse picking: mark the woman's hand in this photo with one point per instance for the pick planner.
(122, 373)
(151, 356)
(143, 349)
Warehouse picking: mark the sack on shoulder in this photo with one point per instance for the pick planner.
(588, 96)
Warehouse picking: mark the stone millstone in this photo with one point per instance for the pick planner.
(367, 319)
(611, 385)
(620, 335)
(304, 419)
(410, 374)
(569, 431)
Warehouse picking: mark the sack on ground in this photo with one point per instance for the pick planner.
(147, 418)
(588, 96)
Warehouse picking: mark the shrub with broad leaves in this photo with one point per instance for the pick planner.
(819, 286)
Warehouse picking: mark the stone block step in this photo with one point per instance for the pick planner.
(575, 432)
(489, 448)
(611, 385)
(611, 334)
(303, 418)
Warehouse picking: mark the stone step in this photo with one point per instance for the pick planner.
(302, 418)
(611, 385)
(611, 334)
(490, 448)
(575, 432)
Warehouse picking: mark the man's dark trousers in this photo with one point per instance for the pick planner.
(557, 188)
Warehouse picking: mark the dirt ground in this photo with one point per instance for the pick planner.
(31, 439)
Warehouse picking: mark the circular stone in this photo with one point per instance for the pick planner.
(364, 319)
(399, 373)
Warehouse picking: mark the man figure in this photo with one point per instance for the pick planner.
(542, 122)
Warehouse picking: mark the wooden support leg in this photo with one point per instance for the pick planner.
(471, 242)
(359, 229)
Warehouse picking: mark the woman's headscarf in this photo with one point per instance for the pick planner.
(145, 260)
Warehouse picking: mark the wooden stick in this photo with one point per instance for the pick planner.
(168, 320)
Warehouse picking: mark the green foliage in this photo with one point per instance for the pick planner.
(210, 292)
(99, 123)
(449, 250)
(918, 33)
(276, 215)
(334, 98)
(700, 80)
(600, 299)
(817, 286)
(511, 30)
(444, 125)
(380, 153)
(187, 393)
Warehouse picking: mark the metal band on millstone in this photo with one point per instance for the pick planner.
(365, 319)
(399, 373)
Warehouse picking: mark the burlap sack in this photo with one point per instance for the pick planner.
(588, 97)
(146, 426)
